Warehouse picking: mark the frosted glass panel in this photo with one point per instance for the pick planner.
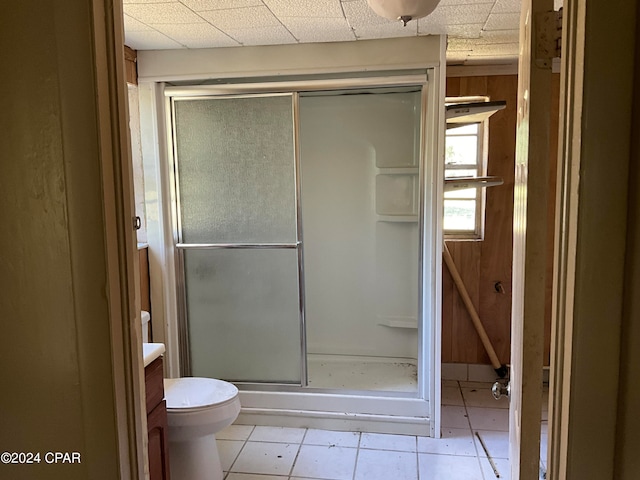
(243, 312)
(235, 161)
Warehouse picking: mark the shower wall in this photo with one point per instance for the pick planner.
(359, 175)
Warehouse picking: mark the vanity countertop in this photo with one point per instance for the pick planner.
(151, 351)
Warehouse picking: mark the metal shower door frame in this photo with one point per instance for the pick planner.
(293, 89)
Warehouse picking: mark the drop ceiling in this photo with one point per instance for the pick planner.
(483, 32)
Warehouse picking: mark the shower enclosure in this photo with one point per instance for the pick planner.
(298, 226)
(294, 200)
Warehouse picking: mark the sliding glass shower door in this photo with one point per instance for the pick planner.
(238, 237)
(360, 176)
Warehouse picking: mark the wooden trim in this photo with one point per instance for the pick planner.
(145, 296)
(115, 160)
(529, 249)
(565, 238)
(131, 65)
(481, 70)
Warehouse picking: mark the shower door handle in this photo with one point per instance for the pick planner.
(501, 389)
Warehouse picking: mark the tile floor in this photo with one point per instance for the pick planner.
(277, 453)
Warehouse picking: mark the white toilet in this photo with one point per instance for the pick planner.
(197, 408)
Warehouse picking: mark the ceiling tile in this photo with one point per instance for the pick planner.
(262, 36)
(161, 13)
(241, 18)
(202, 5)
(359, 14)
(479, 30)
(458, 14)
(387, 30)
(322, 30)
(305, 8)
(457, 58)
(197, 35)
(500, 36)
(460, 44)
(496, 49)
(464, 2)
(471, 30)
(149, 40)
(503, 21)
(506, 6)
(125, 2)
(133, 25)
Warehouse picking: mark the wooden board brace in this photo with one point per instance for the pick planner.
(500, 369)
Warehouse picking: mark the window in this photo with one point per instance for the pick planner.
(465, 157)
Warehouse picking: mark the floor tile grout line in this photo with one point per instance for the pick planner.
(253, 427)
(355, 466)
(359, 446)
(475, 444)
(417, 461)
(306, 430)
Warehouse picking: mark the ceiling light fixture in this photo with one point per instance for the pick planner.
(403, 10)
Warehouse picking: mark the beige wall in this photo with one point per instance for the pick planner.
(600, 388)
(628, 432)
(56, 306)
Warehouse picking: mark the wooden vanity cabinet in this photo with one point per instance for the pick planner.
(157, 427)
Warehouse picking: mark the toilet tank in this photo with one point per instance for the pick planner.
(145, 326)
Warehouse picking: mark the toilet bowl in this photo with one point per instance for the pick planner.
(197, 408)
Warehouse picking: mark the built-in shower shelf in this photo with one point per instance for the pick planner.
(398, 170)
(398, 218)
(399, 322)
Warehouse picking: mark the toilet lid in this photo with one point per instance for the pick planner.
(195, 392)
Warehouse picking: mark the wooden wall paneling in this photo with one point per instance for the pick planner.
(466, 345)
(470, 86)
(131, 69)
(496, 258)
(553, 173)
(453, 87)
(484, 263)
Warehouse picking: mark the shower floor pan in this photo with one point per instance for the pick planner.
(368, 394)
(362, 373)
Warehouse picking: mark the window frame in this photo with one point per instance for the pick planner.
(480, 166)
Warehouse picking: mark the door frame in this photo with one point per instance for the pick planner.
(112, 113)
(529, 247)
(586, 389)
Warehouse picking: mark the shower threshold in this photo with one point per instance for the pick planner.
(351, 393)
